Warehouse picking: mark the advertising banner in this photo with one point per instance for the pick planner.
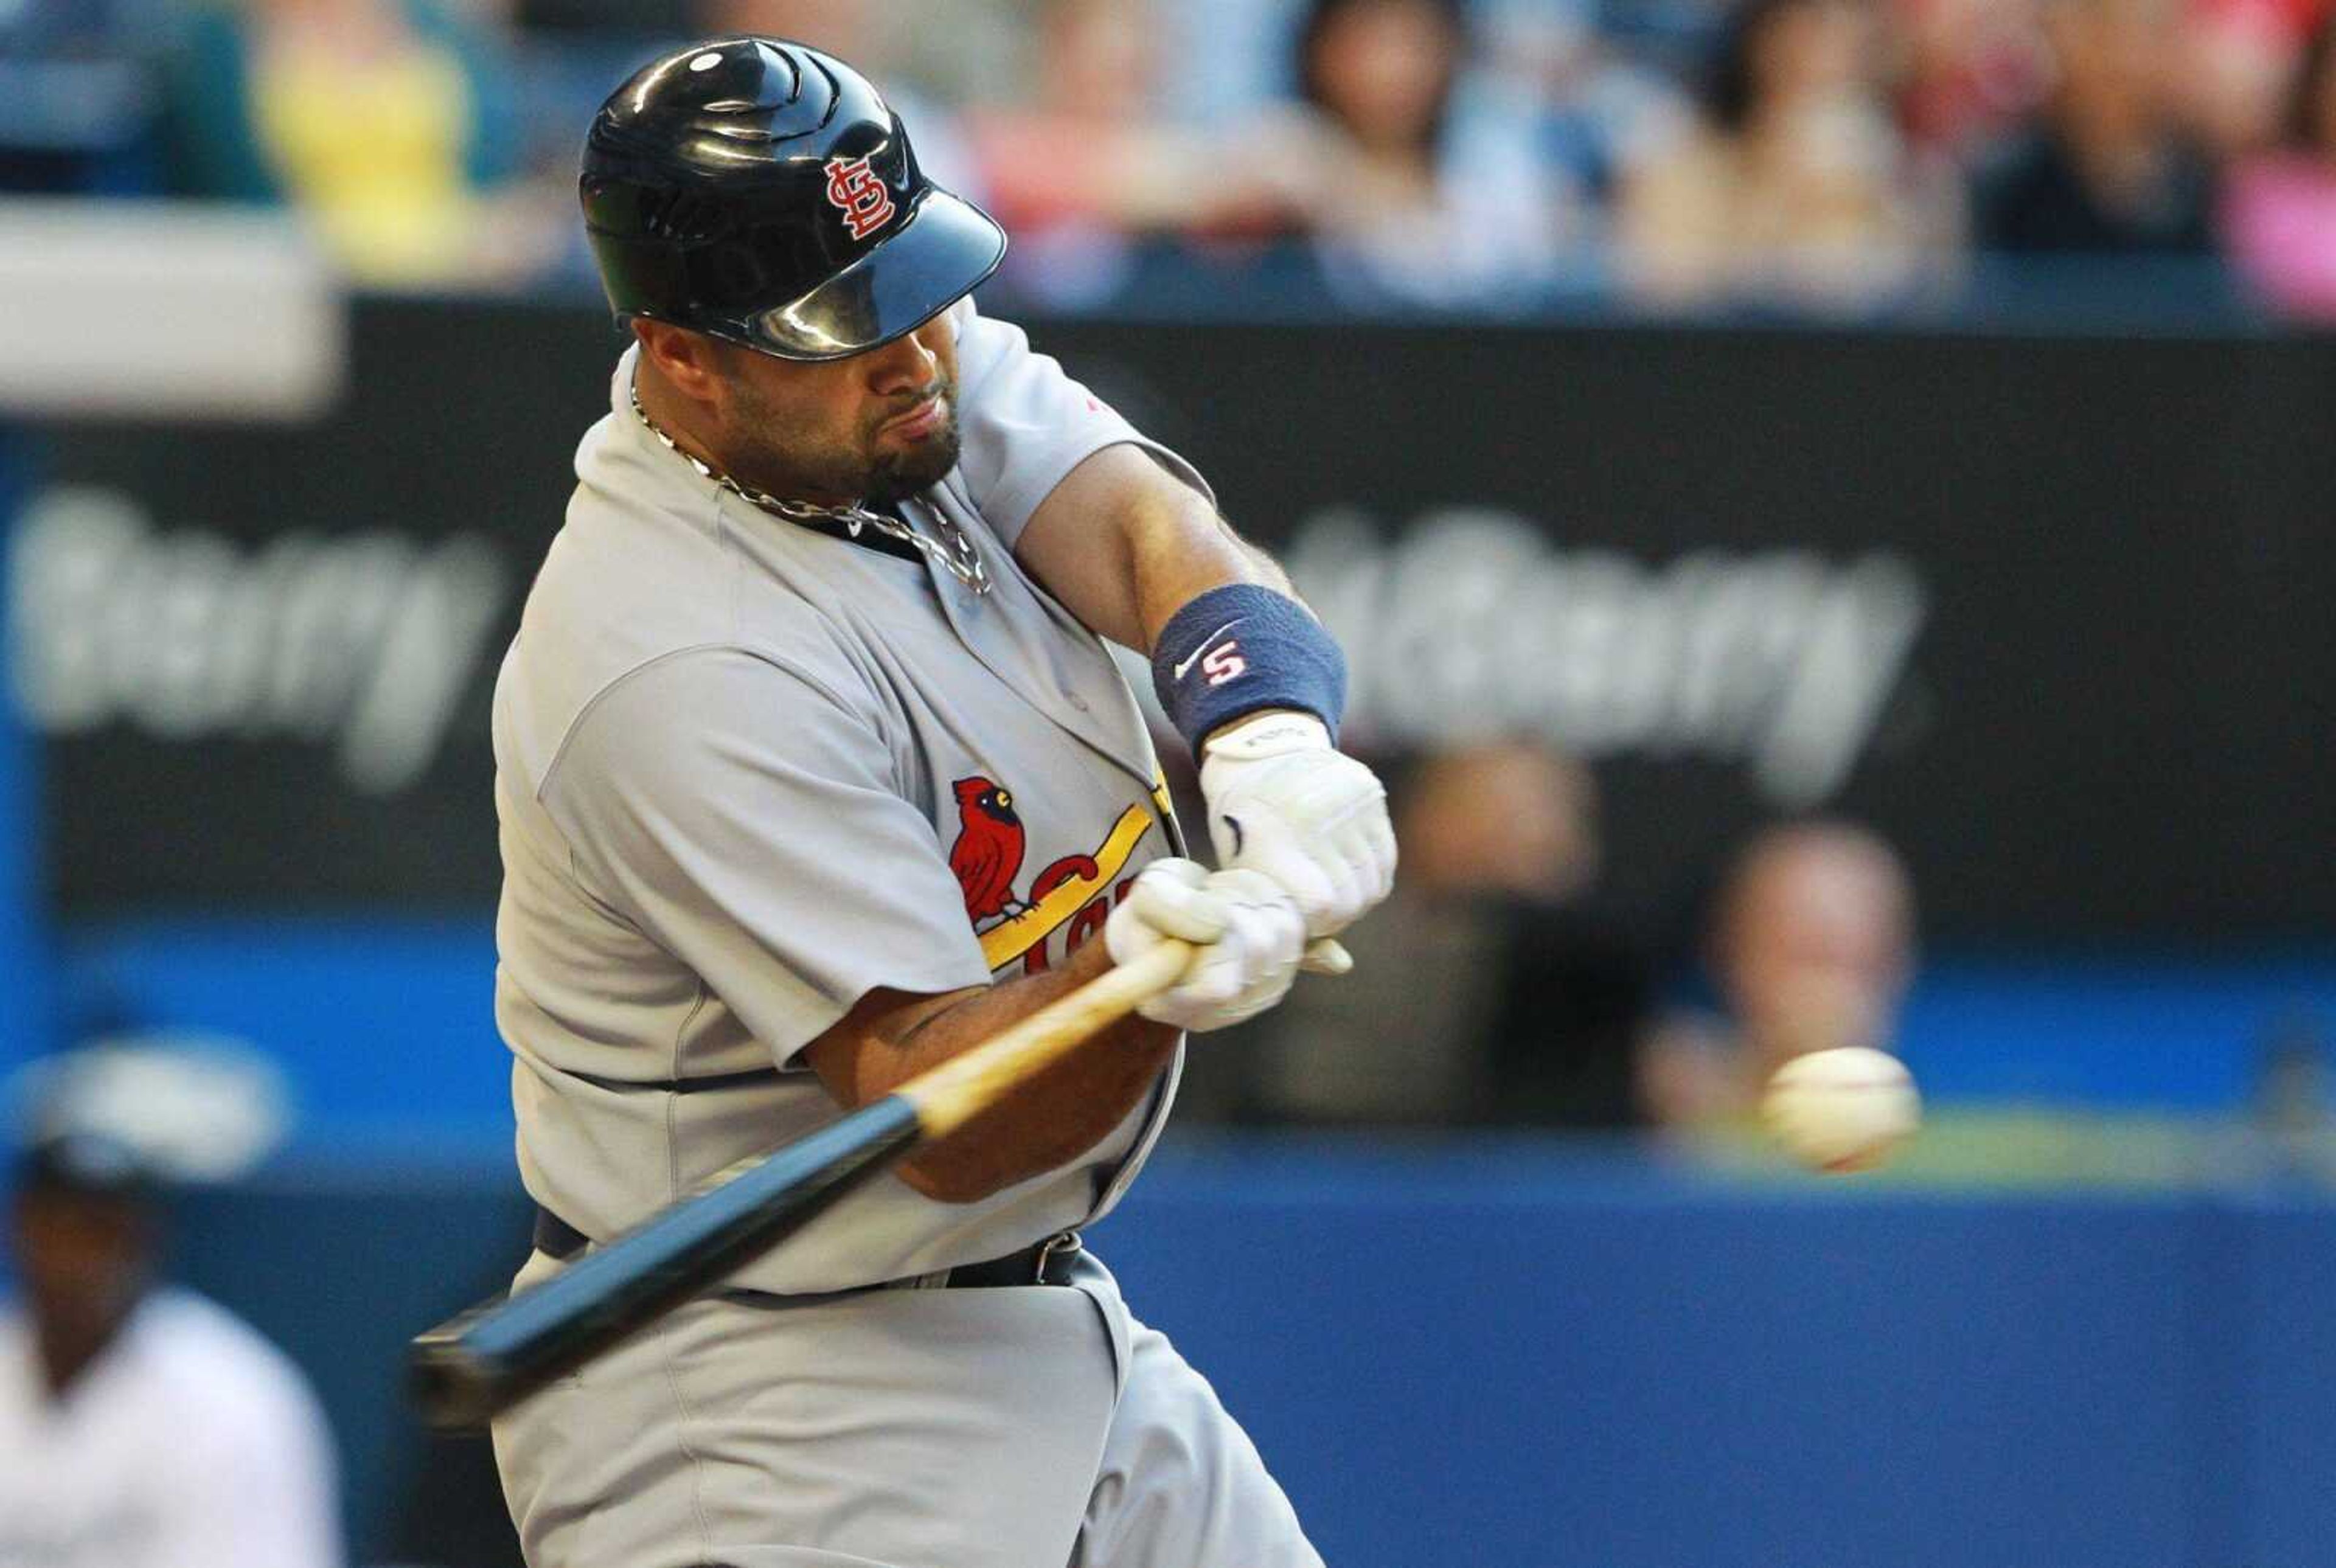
(2051, 614)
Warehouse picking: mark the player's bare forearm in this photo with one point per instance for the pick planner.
(1124, 544)
(891, 1037)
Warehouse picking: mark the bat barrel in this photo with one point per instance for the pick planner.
(469, 1368)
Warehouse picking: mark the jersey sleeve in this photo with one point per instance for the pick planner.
(747, 820)
(1023, 424)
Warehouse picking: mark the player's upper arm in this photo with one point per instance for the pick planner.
(748, 822)
(1123, 544)
(1024, 425)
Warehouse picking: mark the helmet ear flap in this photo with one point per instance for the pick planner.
(734, 272)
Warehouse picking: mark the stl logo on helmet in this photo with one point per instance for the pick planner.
(856, 192)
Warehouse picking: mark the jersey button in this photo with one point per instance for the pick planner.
(1076, 701)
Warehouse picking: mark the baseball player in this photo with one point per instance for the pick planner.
(142, 1426)
(813, 771)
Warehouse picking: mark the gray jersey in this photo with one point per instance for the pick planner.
(745, 773)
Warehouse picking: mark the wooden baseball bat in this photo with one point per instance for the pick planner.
(471, 1367)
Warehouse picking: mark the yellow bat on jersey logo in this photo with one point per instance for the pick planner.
(1010, 938)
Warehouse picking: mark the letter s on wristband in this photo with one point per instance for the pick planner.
(1238, 648)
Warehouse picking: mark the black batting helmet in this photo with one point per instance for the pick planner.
(761, 191)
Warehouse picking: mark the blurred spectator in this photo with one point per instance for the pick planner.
(878, 39)
(141, 1426)
(2111, 171)
(1597, 111)
(2238, 62)
(957, 52)
(2295, 1082)
(1796, 188)
(1484, 988)
(2279, 213)
(2294, 1110)
(1086, 163)
(1221, 61)
(1811, 945)
(1430, 189)
(1974, 72)
(389, 122)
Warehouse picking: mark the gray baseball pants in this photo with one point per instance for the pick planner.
(1014, 1427)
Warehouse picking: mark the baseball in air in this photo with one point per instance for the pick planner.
(1842, 1110)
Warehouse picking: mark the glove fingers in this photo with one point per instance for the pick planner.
(1381, 834)
(1370, 851)
(1177, 906)
(1183, 872)
(1250, 965)
(1272, 931)
(1346, 895)
(1215, 978)
(1342, 882)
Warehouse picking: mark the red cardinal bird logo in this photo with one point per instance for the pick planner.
(988, 854)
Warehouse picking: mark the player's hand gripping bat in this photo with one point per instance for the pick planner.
(472, 1367)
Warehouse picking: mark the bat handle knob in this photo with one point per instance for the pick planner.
(1326, 956)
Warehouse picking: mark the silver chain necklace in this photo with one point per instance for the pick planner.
(955, 552)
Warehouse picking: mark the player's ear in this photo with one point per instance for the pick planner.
(689, 361)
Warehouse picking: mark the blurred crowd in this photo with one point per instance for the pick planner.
(1500, 985)
(1800, 155)
(1503, 984)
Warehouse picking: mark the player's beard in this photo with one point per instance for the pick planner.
(909, 471)
(773, 458)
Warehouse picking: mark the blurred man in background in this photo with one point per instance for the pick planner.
(1811, 946)
(2112, 169)
(143, 1426)
(1501, 993)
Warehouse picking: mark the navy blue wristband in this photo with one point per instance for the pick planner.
(1238, 648)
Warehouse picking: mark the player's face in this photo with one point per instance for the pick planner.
(879, 426)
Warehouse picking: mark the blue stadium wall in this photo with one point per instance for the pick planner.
(1508, 1355)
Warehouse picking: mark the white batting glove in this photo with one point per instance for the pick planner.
(1249, 933)
(1284, 802)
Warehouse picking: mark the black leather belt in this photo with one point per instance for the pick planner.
(1047, 1262)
